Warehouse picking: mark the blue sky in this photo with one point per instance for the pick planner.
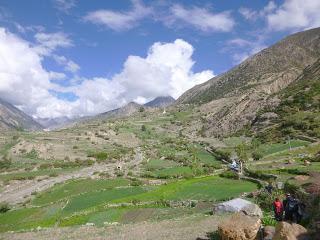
(84, 57)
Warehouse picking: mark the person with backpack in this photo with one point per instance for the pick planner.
(278, 209)
(289, 205)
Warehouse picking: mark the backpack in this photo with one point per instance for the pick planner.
(291, 204)
(277, 206)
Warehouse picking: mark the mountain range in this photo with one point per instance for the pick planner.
(229, 102)
(13, 118)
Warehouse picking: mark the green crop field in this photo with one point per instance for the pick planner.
(81, 201)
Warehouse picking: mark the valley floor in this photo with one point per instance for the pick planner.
(195, 227)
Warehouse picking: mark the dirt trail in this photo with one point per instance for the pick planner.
(188, 228)
(21, 191)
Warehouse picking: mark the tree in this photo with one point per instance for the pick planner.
(143, 128)
(242, 153)
(141, 109)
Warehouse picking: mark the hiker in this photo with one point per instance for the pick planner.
(299, 211)
(289, 205)
(278, 209)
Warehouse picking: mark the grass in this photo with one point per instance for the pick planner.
(76, 187)
(33, 174)
(159, 164)
(173, 172)
(207, 158)
(268, 149)
(205, 188)
(87, 200)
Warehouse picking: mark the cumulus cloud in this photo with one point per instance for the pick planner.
(295, 15)
(201, 19)
(166, 70)
(24, 82)
(119, 21)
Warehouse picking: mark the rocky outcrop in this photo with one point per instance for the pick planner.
(288, 231)
(239, 205)
(268, 232)
(239, 227)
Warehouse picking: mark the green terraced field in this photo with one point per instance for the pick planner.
(81, 201)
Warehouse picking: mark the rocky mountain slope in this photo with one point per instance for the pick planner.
(13, 118)
(230, 101)
(124, 111)
(161, 102)
(298, 112)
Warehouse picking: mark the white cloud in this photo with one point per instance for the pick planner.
(295, 15)
(201, 19)
(56, 76)
(23, 80)
(241, 48)
(64, 5)
(250, 14)
(68, 64)
(166, 70)
(119, 21)
(49, 42)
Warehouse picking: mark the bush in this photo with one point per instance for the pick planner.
(4, 207)
(257, 156)
(5, 162)
(100, 156)
(229, 174)
(141, 109)
(33, 154)
(260, 175)
(143, 128)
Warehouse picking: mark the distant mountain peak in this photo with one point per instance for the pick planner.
(13, 118)
(161, 101)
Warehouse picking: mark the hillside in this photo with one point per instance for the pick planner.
(298, 113)
(13, 118)
(230, 101)
(161, 102)
(124, 111)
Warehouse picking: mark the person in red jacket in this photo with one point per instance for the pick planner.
(278, 209)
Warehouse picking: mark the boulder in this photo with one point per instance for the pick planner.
(239, 205)
(290, 231)
(268, 232)
(240, 227)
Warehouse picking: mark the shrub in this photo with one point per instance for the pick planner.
(4, 207)
(143, 128)
(260, 175)
(257, 156)
(75, 147)
(5, 162)
(33, 154)
(229, 174)
(141, 109)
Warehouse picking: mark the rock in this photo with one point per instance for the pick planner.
(239, 205)
(239, 227)
(268, 232)
(288, 231)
